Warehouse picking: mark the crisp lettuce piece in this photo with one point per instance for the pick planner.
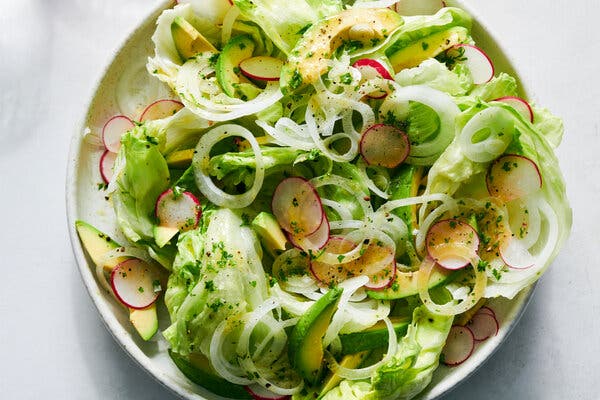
(436, 75)
(501, 85)
(348, 390)
(411, 369)
(142, 175)
(548, 125)
(221, 282)
(283, 22)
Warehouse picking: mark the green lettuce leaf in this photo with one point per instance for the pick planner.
(436, 75)
(142, 176)
(284, 24)
(217, 277)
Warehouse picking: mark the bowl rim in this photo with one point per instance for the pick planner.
(122, 336)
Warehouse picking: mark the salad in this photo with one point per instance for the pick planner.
(327, 198)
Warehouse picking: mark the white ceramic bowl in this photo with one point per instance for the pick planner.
(86, 202)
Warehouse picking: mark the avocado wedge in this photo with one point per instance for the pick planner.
(97, 244)
(405, 284)
(373, 337)
(188, 41)
(228, 71)
(305, 347)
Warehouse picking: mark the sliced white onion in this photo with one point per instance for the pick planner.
(366, 372)
(218, 361)
(201, 161)
(500, 124)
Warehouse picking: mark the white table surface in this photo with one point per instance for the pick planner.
(52, 342)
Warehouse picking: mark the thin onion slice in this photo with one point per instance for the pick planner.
(201, 162)
(453, 307)
(512, 177)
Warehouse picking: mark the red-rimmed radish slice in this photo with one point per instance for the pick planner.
(181, 211)
(512, 177)
(452, 243)
(260, 393)
(487, 310)
(161, 109)
(515, 255)
(418, 7)
(315, 241)
(135, 283)
(112, 131)
(297, 206)
(459, 345)
(377, 262)
(107, 164)
(478, 63)
(384, 145)
(370, 69)
(483, 325)
(262, 68)
(519, 104)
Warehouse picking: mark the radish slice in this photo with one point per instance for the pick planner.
(377, 262)
(479, 64)
(315, 241)
(297, 206)
(112, 131)
(182, 211)
(519, 104)
(483, 325)
(161, 109)
(262, 68)
(384, 146)
(371, 69)
(452, 243)
(107, 164)
(515, 255)
(260, 393)
(459, 345)
(135, 283)
(418, 7)
(487, 310)
(513, 176)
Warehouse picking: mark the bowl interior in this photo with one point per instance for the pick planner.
(126, 74)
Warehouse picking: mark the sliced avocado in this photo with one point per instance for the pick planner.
(270, 233)
(228, 71)
(349, 361)
(145, 321)
(188, 41)
(97, 244)
(197, 369)
(373, 337)
(305, 345)
(180, 158)
(427, 36)
(163, 234)
(406, 184)
(405, 284)
(308, 60)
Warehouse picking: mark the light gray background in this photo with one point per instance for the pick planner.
(52, 342)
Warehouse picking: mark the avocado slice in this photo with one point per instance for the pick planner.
(163, 234)
(270, 233)
(406, 184)
(405, 284)
(97, 244)
(308, 60)
(188, 41)
(349, 361)
(427, 36)
(180, 158)
(197, 369)
(305, 346)
(373, 337)
(228, 71)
